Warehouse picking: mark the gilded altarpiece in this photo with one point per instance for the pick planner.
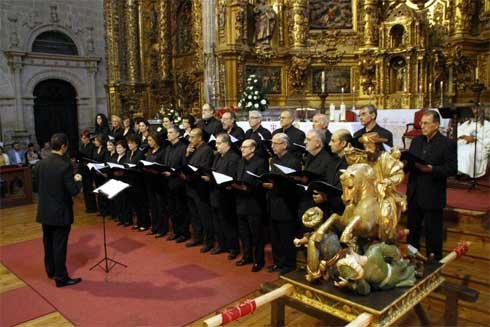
(392, 53)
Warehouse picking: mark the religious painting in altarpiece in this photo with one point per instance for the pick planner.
(328, 14)
(270, 77)
(336, 78)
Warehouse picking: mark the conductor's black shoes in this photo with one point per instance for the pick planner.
(67, 281)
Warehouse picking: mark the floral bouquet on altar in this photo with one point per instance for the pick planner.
(252, 97)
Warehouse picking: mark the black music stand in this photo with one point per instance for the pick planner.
(106, 259)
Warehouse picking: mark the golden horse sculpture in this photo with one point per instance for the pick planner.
(361, 218)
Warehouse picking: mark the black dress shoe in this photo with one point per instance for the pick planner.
(172, 237)
(257, 267)
(206, 248)
(142, 228)
(67, 281)
(151, 233)
(233, 254)
(120, 223)
(217, 250)
(181, 239)
(193, 243)
(243, 262)
(135, 227)
(127, 224)
(159, 235)
(50, 275)
(273, 268)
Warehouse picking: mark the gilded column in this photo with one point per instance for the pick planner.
(131, 25)
(165, 50)
(370, 23)
(299, 10)
(111, 19)
(464, 11)
(197, 35)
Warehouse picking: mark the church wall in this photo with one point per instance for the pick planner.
(21, 21)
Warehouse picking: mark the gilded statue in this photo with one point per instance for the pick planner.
(380, 268)
(265, 22)
(297, 71)
(388, 170)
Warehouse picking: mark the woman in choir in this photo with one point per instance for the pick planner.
(100, 156)
(101, 125)
(155, 188)
(117, 128)
(137, 199)
(127, 126)
(121, 200)
(188, 123)
(144, 132)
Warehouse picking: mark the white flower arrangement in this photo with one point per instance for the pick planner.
(256, 106)
(263, 102)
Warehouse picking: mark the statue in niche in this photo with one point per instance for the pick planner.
(399, 68)
(184, 28)
(265, 22)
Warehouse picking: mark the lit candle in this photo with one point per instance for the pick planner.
(369, 91)
(476, 73)
(342, 112)
(442, 91)
(420, 89)
(353, 98)
(332, 112)
(430, 95)
(323, 81)
(342, 95)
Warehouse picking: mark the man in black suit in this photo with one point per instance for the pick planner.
(259, 134)
(53, 180)
(296, 136)
(426, 192)
(367, 116)
(209, 124)
(320, 121)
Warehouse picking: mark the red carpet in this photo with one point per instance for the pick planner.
(165, 284)
(20, 305)
(477, 199)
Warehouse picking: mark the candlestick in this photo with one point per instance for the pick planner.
(353, 98)
(442, 95)
(332, 112)
(323, 81)
(342, 95)
(476, 73)
(342, 112)
(430, 95)
(369, 91)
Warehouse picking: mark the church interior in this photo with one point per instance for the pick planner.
(154, 68)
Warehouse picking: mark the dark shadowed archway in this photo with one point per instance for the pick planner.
(55, 111)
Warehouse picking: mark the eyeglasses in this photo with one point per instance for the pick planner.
(253, 117)
(246, 146)
(277, 143)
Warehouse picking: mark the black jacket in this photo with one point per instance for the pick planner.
(296, 137)
(319, 164)
(263, 138)
(429, 189)
(383, 132)
(250, 202)
(175, 157)
(53, 181)
(227, 165)
(210, 127)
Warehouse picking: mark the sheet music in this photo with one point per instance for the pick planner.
(284, 169)
(261, 137)
(303, 186)
(130, 165)
(252, 174)
(115, 165)
(221, 178)
(194, 169)
(387, 147)
(212, 138)
(233, 139)
(299, 145)
(112, 188)
(149, 163)
(96, 166)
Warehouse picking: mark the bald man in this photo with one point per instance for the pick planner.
(321, 121)
(296, 136)
(209, 124)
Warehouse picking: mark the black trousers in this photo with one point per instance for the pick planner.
(250, 229)
(88, 187)
(177, 207)
(282, 237)
(201, 218)
(226, 228)
(124, 213)
(102, 202)
(433, 223)
(55, 239)
(139, 205)
(159, 218)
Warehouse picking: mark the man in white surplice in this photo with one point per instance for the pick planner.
(476, 129)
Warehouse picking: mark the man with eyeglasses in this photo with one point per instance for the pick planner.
(283, 204)
(259, 134)
(427, 183)
(296, 136)
(367, 116)
(250, 205)
(222, 199)
(228, 122)
(209, 124)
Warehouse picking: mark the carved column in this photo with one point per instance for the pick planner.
(211, 79)
(464, 11)
(197, 36)
(16, 66)
(92, 70)
(370, 23)
(299, 11)
(112, 40)
(164, 63)
(131, 25)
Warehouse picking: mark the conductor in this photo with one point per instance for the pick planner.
(54, 182)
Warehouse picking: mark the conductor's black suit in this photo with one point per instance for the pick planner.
(53, 181)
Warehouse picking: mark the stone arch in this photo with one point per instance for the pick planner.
(50, 27)
(67, 76)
